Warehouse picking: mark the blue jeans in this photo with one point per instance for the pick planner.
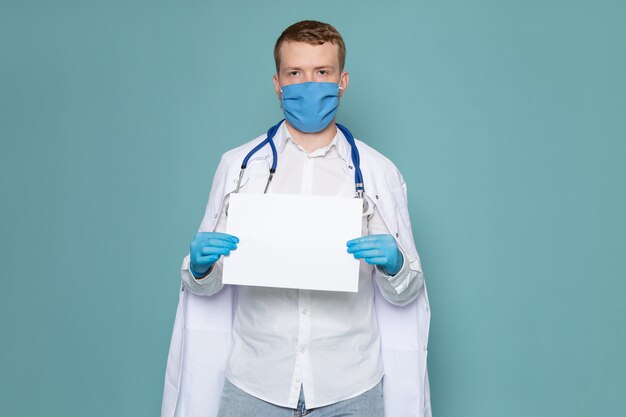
(238, 403)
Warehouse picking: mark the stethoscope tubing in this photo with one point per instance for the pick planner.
(269, 140)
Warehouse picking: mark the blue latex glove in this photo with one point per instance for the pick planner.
(381, 250)
(206, 248)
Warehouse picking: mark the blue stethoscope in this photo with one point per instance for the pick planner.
(269, 139)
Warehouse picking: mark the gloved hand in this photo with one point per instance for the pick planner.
(206, 248)
(379, 250)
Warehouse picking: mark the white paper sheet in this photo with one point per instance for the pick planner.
(293, 241)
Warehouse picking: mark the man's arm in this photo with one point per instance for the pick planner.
(403, 287)
(210, 282)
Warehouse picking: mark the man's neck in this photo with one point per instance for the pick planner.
(313, 141)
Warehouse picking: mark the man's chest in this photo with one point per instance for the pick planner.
(299, 173)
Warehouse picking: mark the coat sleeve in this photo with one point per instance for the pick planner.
(403, 287)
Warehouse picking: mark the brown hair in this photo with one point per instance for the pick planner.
(313, 33)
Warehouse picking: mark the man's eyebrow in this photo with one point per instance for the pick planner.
(300, 69)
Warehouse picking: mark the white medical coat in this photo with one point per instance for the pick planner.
(201, 338)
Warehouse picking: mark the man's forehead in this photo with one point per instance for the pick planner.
(301, 54)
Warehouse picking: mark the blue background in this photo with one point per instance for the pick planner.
(507, 119)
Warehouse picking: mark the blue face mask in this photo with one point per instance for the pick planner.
(310, 106)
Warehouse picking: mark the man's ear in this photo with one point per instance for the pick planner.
(277, 87)
(343, 82)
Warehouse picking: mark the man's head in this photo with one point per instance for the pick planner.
(310, 51)
(313, 33)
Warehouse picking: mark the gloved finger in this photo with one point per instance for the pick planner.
(207, 260)
(368, 238)
(369, 253)
(363, 246)
(214, 250)
(356, 241)
(222, 236)
(217, 243)
(376, 260)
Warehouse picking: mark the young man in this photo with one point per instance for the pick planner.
(265, 352)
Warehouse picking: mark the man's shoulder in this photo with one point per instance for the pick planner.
(373, 154)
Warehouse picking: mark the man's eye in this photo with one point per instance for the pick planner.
(323, 72)
(293, 73)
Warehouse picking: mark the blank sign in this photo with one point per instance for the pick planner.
(293, 241)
